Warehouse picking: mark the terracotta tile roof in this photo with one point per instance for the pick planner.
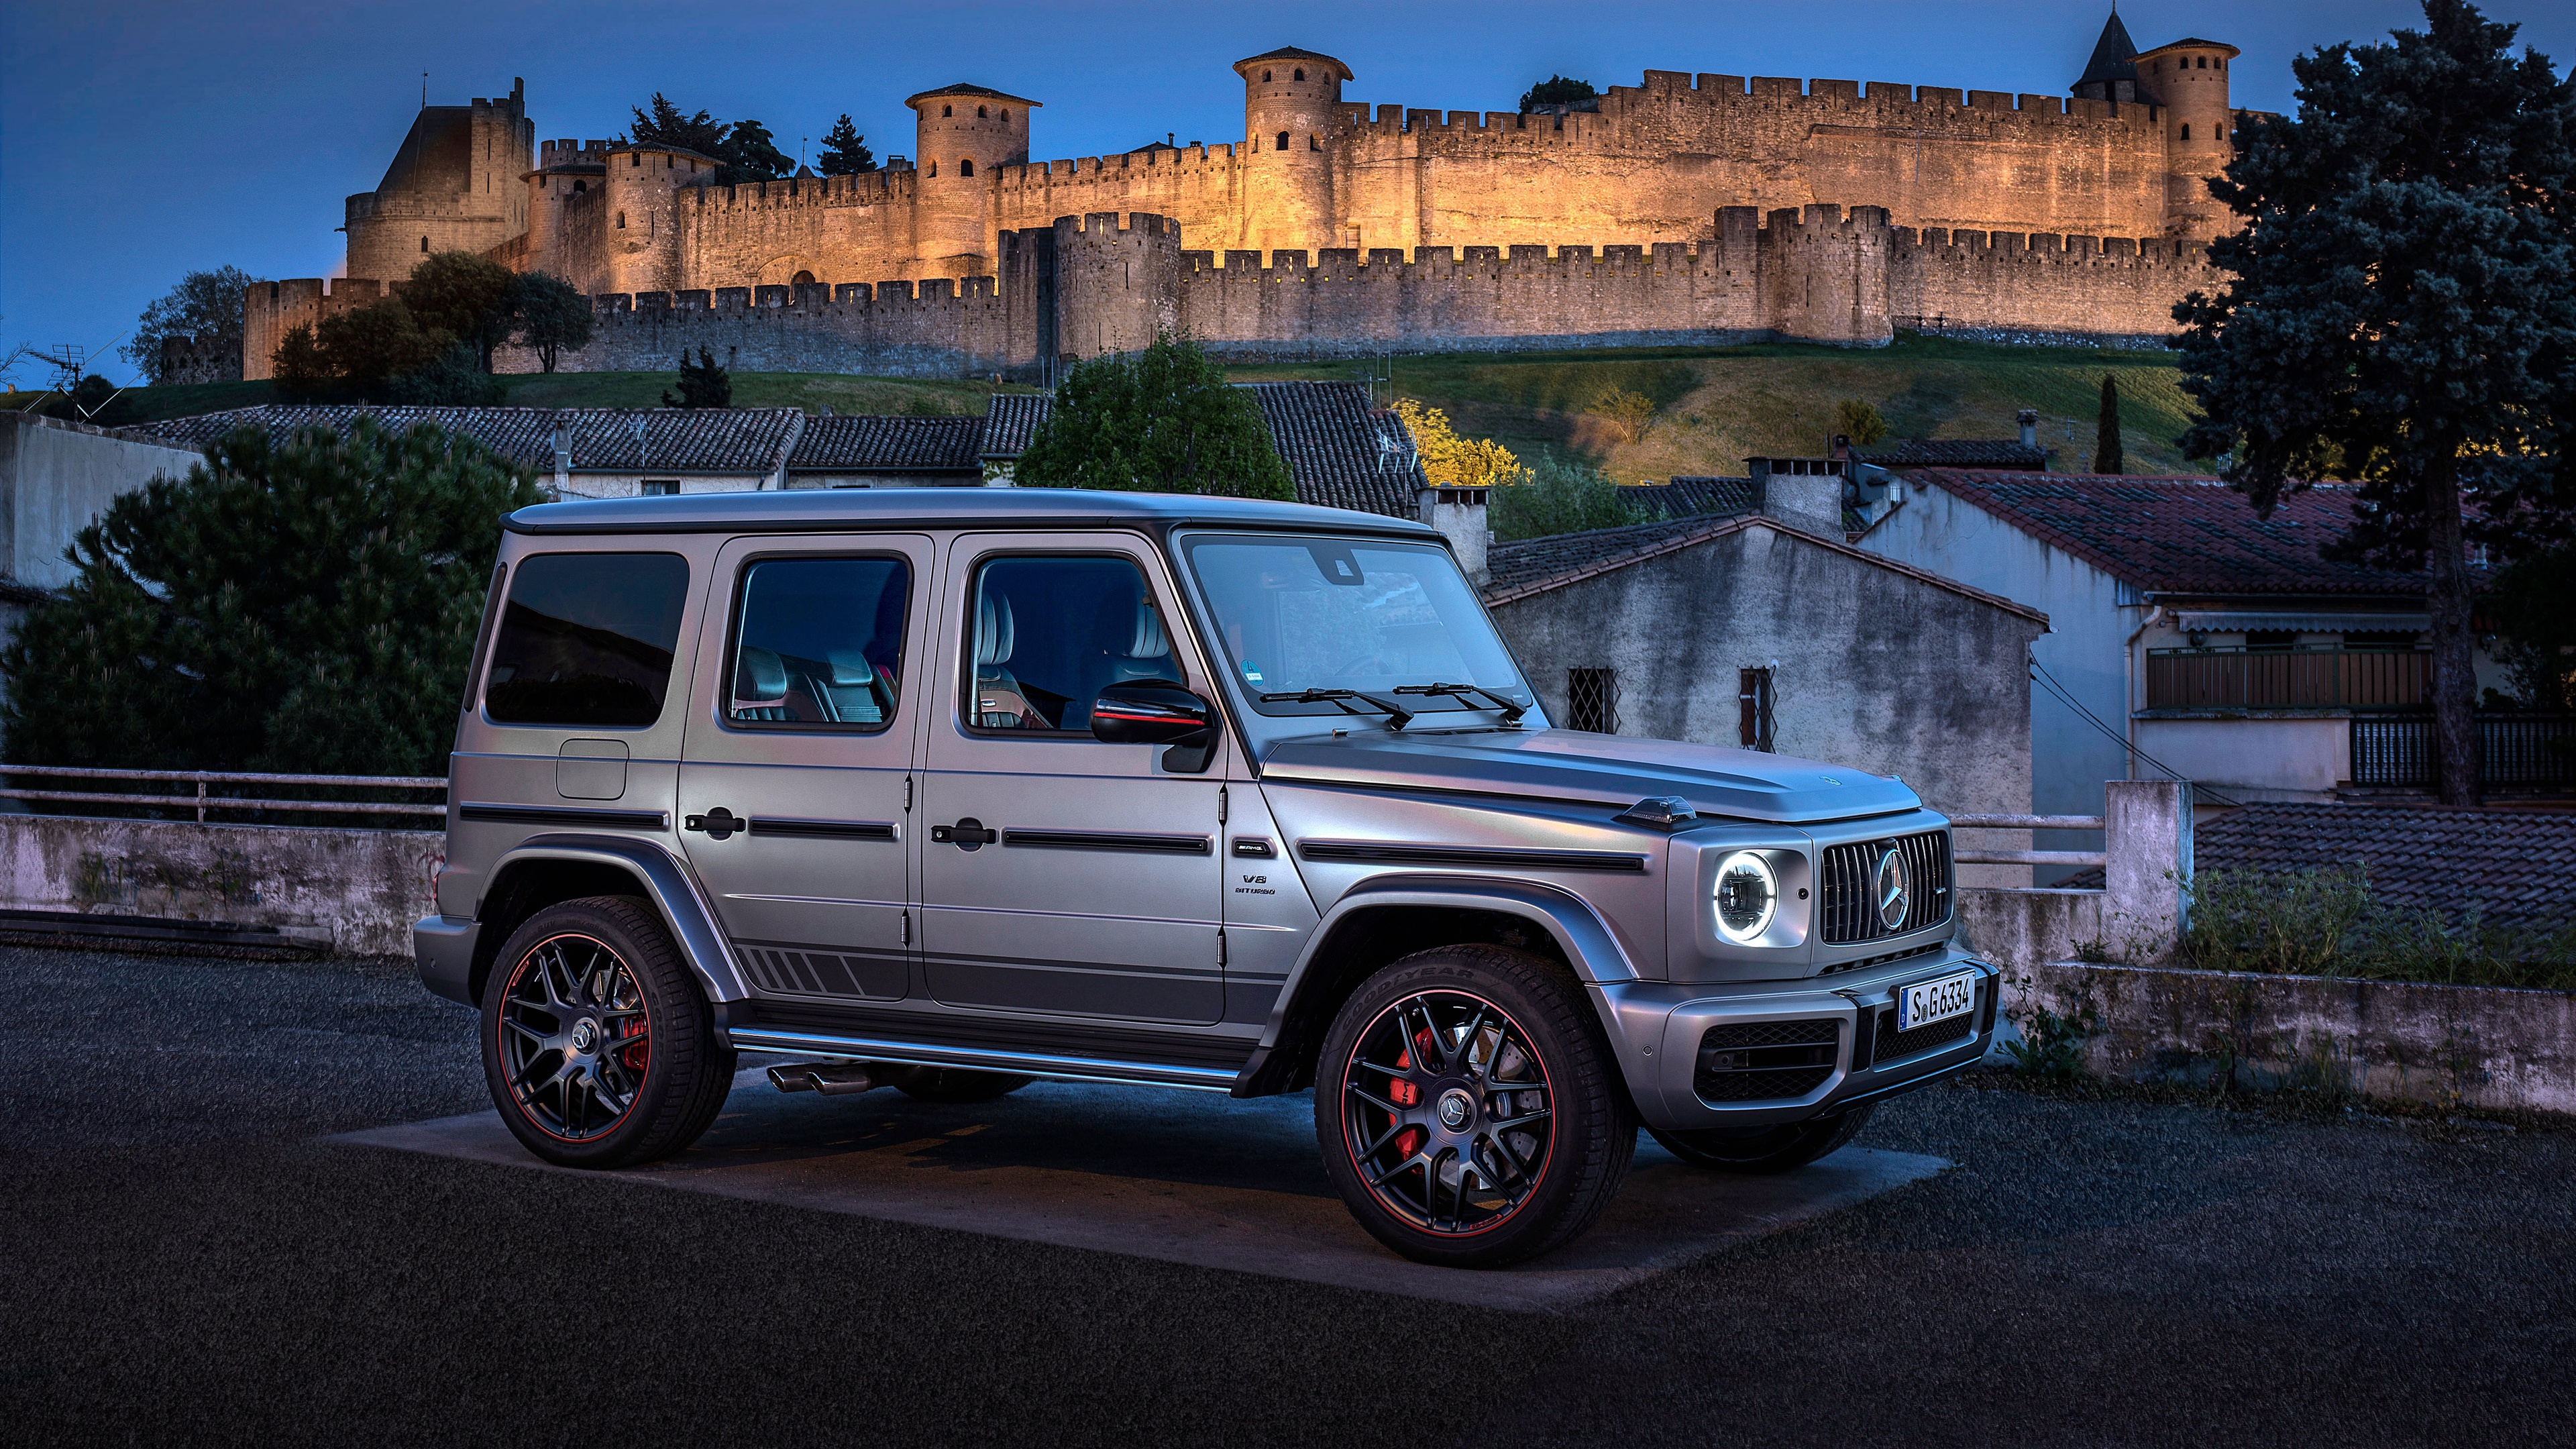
(747, 441)
(2511, 865)
(2181, 535)
(1011, 421)
(1341, 452)
(1535, 566)
(889, 445)
(2000, 454)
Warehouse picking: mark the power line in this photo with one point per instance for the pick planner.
(2066, 697)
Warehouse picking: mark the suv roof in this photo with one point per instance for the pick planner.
(800, 510)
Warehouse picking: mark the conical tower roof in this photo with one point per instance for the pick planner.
(2114, 55)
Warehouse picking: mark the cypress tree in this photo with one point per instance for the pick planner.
(2106, 431)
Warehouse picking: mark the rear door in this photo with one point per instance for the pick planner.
(797, 768)
(1060, 874)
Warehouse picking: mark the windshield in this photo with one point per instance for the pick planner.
(1370, 615)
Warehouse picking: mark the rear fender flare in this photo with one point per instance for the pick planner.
(666, 883)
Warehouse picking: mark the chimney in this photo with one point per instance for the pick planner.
(1460, 515)
(2029, 420)
(563, 457)
(1803, 493)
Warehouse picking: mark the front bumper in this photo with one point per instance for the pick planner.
(443, 948)
(1660, 1028)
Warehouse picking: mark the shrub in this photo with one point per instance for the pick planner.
(1557, 497)
(1450, 460)
(703, 385)
(2324, 923)
(1858, 421)
(1629, 414)
(1158, 421)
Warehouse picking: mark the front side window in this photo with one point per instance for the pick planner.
(819, 643)
(1374, 615)
(1049, 633)
(586, 640)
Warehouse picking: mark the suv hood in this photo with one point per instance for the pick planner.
(1613, 770)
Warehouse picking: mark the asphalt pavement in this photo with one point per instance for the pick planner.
(184, 1258)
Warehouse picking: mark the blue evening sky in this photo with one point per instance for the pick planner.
(138, 141)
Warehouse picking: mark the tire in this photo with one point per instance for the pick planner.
(953, 1085)
(1754, 1150)
(1390, 1118)
(578, 974)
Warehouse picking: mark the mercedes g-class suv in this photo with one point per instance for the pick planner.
(949, 790)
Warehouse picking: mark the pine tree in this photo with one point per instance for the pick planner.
(704, 385)
(2107, 457)
(305, 606)
(845, 152)
(2403, 313)
(1162, 420)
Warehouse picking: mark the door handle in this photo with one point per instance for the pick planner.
(966, 834)
(717, 823)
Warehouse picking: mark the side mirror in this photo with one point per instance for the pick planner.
(1157, 712)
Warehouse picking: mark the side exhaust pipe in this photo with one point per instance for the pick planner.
(832, 1079)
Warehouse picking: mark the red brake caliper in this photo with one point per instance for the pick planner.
(1405, 1094)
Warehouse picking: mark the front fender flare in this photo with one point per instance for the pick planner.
(1595, 951)
(666, 882)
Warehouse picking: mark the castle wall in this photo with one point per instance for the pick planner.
(2106, 287)
(270, 310)
(454, 186)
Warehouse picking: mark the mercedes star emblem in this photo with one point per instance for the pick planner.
(1892, 887)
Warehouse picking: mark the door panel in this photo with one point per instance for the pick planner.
(798, 765)
(1060, 874)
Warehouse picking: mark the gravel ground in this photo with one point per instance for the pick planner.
(183, 1263)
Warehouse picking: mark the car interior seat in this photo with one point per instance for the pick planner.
(999, 704)
(1149, 651)
(851, 691)
(759, 685)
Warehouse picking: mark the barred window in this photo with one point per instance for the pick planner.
(1592, 700)
(1756, 697)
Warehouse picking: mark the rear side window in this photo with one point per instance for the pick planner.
(819, 643)
(586, 639)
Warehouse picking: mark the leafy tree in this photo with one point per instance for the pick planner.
(300, 607)
(1628, 414)
(1858, 421)
(704, 385)
(1162, 420)
(1452, 461)
(2534, 608)
(2107, 457)
(743, 150)
(2403, 313)
(1556, 90)
(205, 305)
(550, 317)
(1559, 496)
(453, 380)
(366, 346)
(845, 152)
(470, 298)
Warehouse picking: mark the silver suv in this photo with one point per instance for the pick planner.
(951, 790)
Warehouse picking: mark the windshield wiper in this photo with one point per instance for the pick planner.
(1397, 715)
(1511, 712)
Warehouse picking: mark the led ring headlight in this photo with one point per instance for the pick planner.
(1747, 897)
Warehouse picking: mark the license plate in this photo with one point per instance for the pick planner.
(1926, 1002)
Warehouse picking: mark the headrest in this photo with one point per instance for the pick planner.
(848, 667)
(759, 677)
(1149, 642)
(994, 633)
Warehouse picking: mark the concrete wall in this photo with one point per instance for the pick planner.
(57, 476)
(2256, 757)
(359, 890)
(2444, 1045)
(1874, 668)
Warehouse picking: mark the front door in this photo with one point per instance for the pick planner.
(797, 768)
(1060, 874)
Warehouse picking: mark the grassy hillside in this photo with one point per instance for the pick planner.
(812, 391)
(1715, 406)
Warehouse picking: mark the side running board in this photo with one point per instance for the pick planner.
(806, 1042)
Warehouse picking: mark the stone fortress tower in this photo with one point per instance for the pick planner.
(964, 135)
(1291, 98)
(1328, 228)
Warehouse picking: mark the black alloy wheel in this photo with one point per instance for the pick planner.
(1467, 1110)
(598, 1046)
(1758, 1150)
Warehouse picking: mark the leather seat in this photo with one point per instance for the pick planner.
(759, 685)
(851, 690)
(1149, 651)
(999, 705)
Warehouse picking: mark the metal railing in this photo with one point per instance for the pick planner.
(2513, 749)
(2304, 677)
(200, 801)
(2027, 857)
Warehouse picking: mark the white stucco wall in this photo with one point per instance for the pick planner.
(2256, 757)
(55, 477)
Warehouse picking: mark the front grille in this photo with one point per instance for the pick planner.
(1756, 1061)
(1893, 1044)
(1849, 874)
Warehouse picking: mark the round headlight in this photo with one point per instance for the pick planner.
(1748, 896)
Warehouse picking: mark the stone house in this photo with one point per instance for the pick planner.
(1765, 630)
(2191, 640)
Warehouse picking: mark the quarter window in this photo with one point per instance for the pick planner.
(818, 643)
(1050, 633)
(586, 639)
